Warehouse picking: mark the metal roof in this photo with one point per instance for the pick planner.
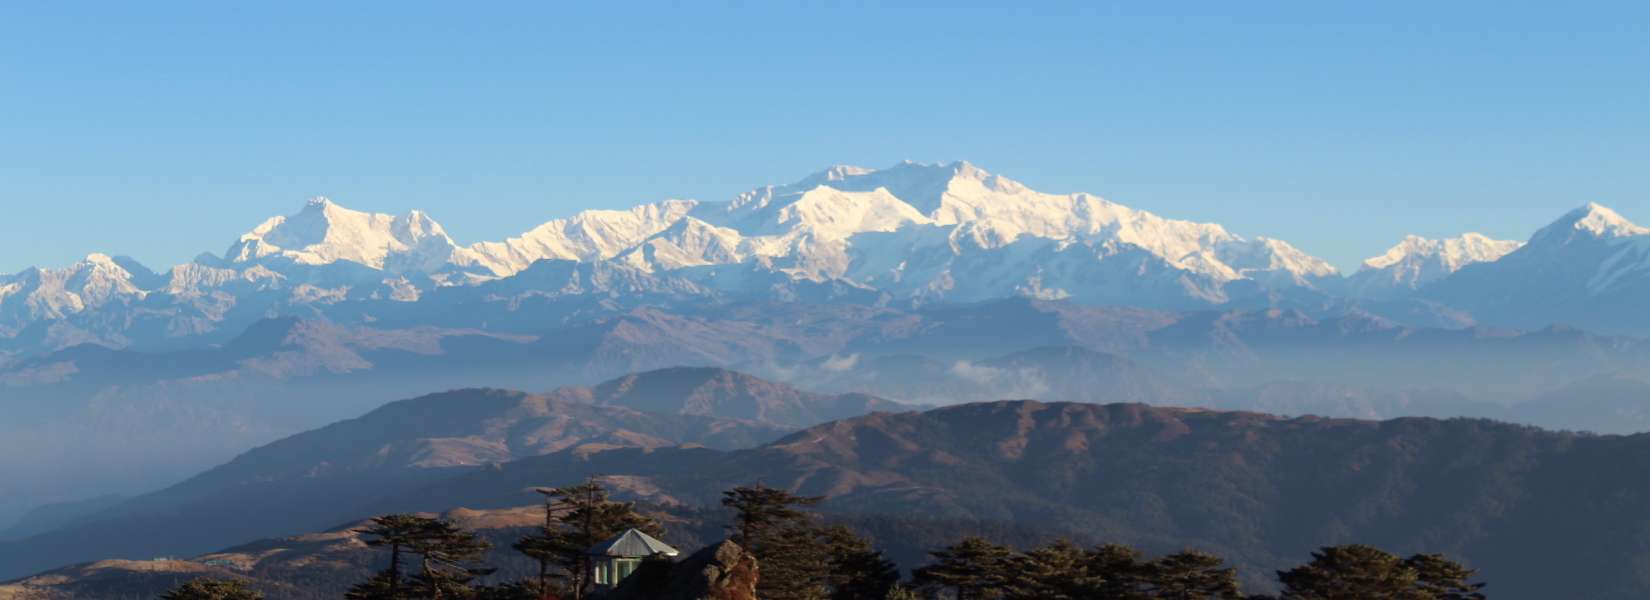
(632, 544)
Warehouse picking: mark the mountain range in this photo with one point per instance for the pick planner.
(90, 421)
(912, 234)
(918, 284)
(321, 477)
(1261, 490)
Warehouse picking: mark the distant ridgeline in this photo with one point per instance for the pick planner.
(1262, 493)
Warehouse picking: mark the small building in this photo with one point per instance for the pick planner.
(615, 559)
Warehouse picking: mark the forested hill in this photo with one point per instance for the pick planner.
(1541, 514)
(1524, 505)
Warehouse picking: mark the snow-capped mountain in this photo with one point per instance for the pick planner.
(587, 236)
(913, 234)
(324, 233)
(47, 294)
(1592, 221)
(958, 208)
(925, 232)
(954, 232)
(1590, 268)
(1416, 261)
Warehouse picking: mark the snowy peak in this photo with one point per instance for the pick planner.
(587, 236)
(829, 213)
(1266, 258)
(919, 231)
(924, 186)
(325, 233)
(1416, 261)
(96, 281)
(1449, 254)
(1591, 221)
(835, 173)
(843, 209)
(1589, 269)
(689, 242)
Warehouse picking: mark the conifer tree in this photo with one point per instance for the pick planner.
(395, 532)
(509, 591)
(1117, 572)
(1439, 578)
(576, 518)
(857, 570)
(212, 589)
(1055, 572)
(376, 587)
(1193, 575)
(769, 523)
(759, 508)
(542, 545)
(447, 559)
(975, 568)
(1351, 572)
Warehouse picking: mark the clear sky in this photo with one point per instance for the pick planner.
(162, 130)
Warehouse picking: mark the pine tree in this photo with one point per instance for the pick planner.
(576, 518)
(212, 589)
(1116, 572)
(769, 524)
(1193, 575)
(1439, 578)
(975, 568)
(396, 532)
(793, 563)
(857, 570)
(542, 546)
(447, 559)
(759, 507)
(376, 587)
(1055, 572)
(1351, 572)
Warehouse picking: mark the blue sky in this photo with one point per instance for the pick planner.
(164, 131)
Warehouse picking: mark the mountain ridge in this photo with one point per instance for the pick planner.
(316, 478)
(914, 234)
(957, 219)
(1258, 489)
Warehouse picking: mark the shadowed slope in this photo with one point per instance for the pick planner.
(1258, 489)
(325, 476)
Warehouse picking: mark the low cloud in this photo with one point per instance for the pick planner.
(838, 364)
(1000, 382)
